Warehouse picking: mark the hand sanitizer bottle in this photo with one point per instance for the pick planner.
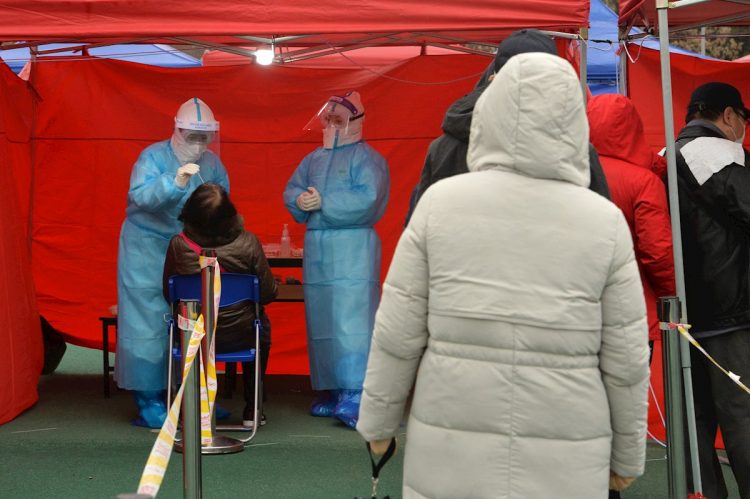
(285, 249)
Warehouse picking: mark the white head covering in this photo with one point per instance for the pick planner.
(194, 114)
(531, 120)
(350, 107)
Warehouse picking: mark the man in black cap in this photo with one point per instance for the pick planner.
(714, 189)
(447, 154)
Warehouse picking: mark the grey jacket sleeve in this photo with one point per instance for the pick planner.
(400, 333)
(623, 356)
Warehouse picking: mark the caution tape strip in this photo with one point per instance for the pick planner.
(683, 329)
(158, 459)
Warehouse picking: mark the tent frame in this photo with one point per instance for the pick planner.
(293, 48)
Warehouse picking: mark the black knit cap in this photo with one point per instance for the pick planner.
(716, 96)
(522, 42)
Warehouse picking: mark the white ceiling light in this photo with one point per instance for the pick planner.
(264, 57)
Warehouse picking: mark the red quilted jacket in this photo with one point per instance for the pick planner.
(633, 173)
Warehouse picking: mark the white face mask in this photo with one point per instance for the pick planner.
(741, 138)
(335, 137)
(185, 152)
(331, 136)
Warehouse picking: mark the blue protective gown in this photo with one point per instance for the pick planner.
(342, 258)
(154, 203)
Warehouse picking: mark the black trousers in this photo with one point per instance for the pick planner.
(720, 403)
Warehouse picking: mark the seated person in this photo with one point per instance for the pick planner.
(211, 221)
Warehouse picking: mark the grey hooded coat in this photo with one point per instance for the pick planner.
(514, 307)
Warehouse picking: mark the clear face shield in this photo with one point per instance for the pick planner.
(340, 122)
(191, 145)
(331, 115)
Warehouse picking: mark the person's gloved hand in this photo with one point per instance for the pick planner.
(378, 447)
(303, 201)
(619, 483)
(310, 200)
(314, 199)
(184, 173)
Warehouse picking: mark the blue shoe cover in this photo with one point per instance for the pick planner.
(220, 412)
(322, 406)
(152, 411)
(347, 410)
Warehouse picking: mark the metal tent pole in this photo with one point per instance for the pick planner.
(622, 61)
(190, 446)
(674, 205)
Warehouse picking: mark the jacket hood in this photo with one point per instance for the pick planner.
(531, 120)
(617, 131)
(457, 121)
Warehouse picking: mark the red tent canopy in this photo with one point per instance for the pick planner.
(707, 13)
(228, 21)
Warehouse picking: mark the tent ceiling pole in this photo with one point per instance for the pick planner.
(455, 39)
(684, 3)
(292, 57)
(276, 41)
(215, 46)
(330, 50)
(459, 48)
(11, 46)
(90, 46)
(256, 39)
(330, 46)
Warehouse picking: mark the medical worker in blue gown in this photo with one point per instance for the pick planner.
(340, 191)
(162, 179)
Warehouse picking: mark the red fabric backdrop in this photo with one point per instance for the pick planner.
(96, 116)
(20, 335)
(644, 83)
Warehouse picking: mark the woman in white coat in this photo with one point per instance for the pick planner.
(514, 300)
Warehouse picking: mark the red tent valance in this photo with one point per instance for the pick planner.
(214, 20)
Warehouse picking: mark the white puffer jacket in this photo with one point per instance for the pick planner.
(514, 299)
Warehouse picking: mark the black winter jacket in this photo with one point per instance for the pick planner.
(446, 155)
(715, 224)
(240, 252)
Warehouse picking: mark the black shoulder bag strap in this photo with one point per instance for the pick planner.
(379, 466)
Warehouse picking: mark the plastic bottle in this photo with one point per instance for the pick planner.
(285, 250)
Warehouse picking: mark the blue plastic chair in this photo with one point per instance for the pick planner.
(235, 288)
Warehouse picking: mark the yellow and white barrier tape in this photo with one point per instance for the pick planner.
(683, 329)
(156, 465)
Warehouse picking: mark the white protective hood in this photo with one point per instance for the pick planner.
(531, 120)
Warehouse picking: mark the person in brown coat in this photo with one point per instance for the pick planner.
(211, 221)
